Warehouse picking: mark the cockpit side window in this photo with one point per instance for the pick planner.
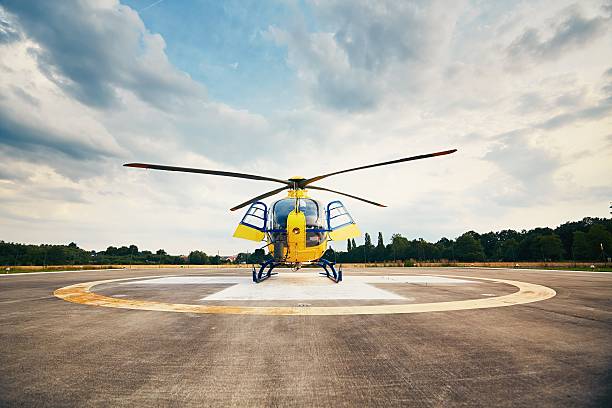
(310, 208)
(281, 210)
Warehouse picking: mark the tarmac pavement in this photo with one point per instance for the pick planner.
(552, 352)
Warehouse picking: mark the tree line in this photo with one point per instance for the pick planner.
(587, 240)
(24, 254)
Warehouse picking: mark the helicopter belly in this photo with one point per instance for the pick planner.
(306, 254)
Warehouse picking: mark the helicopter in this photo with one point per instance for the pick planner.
(297, 228)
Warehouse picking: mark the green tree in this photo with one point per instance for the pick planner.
(444, 248)
(509, 249)
(399, 246)
(566, 233)
(580, 247)
(258, 256)
(368, 241)
(111, 251)
(242, 257)
(380, 250)
(348, 245)
(56, 255)
(197, 258)
(526, 246)
(490, 245)
(600, 241)
(161, 256)
(353, 244)
(425, 250)
(468, 248)
(549, 246)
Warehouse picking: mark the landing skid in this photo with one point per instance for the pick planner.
(262, 275)
(330, 270)
(265, 270)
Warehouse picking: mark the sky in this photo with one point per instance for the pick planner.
(523, 90)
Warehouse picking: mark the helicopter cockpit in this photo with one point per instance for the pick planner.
(315, 222)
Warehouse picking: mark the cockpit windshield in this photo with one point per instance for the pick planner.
(309, 207)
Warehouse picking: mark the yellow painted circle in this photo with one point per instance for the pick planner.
(527, 293)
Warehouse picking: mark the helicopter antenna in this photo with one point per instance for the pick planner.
(297, 198)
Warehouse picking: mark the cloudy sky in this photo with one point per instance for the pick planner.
(522, 89)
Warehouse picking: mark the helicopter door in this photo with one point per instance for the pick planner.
(253, 224)
(340, 223)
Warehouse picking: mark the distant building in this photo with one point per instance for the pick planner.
(228, 258)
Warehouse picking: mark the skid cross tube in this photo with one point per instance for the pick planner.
(265, 270)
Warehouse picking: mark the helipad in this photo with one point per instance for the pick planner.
(239, 295)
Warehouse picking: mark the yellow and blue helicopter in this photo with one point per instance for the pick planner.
(297, 228)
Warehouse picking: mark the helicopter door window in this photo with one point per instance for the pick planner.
(256, 216)
(337, 216)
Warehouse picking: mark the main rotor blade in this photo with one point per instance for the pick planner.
(259, 197)
(203, 171)
(344, 194)
(422, 156)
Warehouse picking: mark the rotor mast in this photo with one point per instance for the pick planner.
(297, 190)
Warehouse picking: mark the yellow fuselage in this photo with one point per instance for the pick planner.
(296, 248)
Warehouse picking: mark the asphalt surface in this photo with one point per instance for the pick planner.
(555, 352)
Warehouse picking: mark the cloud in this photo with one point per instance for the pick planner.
(7, 32)
(366, 49)
(530, 166)
(324, 68)
(46, 108)
(27, 137)
(374, 35)
(572, 32)
(105, 48)
(598, 110)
